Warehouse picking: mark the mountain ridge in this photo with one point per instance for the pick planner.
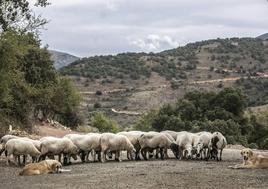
(263, 36)
(62, 59)
(138, 82)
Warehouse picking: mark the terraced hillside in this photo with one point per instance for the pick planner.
(128, 84)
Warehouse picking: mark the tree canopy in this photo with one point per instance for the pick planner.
(30, 87)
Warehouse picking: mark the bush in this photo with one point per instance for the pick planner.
(98, 93)
(97, 105)
(145, 121)
(253, 146)
(103, 123)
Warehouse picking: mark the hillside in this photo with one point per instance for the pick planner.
(263, 36)
(62, 59)
(131, 83)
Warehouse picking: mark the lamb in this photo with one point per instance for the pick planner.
(185, 142)
(133, 138)
(18, 147)
(86, 144)
(217, 143)
(152, 140)
(201, 145)
(115, 143)
(51, 146)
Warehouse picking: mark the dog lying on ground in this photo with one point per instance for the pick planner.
(43, 167)
(251, 160)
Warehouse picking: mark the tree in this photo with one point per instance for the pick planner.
(16, 14)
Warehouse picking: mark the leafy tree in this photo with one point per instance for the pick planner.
(16, 14)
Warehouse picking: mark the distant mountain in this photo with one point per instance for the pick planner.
(263, 36)
(62, 59)
(137, 82)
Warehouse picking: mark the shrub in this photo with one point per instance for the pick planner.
(99, 93)
(103, 123)
(253, 146)
(97, 105)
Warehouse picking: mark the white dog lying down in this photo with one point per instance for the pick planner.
(43, 167)
(251, 160)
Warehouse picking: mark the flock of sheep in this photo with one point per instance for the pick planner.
(137, 144)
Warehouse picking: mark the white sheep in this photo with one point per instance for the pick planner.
(4, 140)
(201, 145)
(51, 146)
(86, 144)
(171, 133)
(115, 143)
(133, 137)
(154, 141)
(185, 142)
(217, 144)
(17, 147)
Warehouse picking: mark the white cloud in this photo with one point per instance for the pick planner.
(154, 42)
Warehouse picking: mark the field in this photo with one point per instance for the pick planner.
(144, 174)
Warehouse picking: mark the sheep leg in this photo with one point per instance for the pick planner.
(15, 158)
(65, 159)
(99, 156)
(103, 153)
(143, 153)
(8, 159)
(137, 155)
(24, 159)
(87, 156)
(82, 156)
(217, 156)
(117, 156)
(162, 153)
(128, 155)
(220, 154)
(157, 151)
(166, 153)
(59, 158)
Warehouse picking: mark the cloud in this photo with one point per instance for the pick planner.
(154, 42)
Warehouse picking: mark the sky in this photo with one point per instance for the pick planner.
(99, 27)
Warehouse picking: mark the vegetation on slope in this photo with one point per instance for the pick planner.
(245, 55)
(209, 111)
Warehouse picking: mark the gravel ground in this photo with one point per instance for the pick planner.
(169, 173)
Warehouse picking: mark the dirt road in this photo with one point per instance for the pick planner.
(143, 174)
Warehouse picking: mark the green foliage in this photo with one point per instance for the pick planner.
(30, 88)
(255, 89)
(103, 123)
(17, 14)
(125, 65)
(209, 111)
(145, 122)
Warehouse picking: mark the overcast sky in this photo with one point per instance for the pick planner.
(94, 27)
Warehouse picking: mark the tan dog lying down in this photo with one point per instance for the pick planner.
(251, 160)
(43, 167)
